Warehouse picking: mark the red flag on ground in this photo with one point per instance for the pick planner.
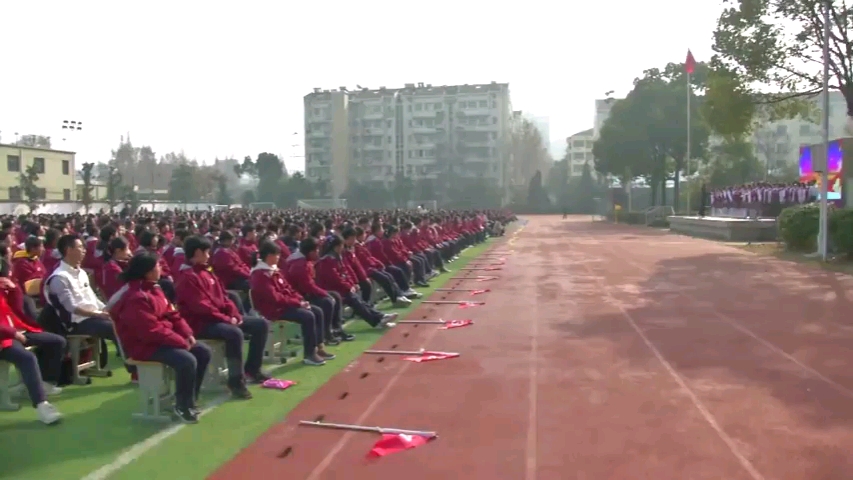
(478, 292)
(396, 442)
(470, 304)
(690, 63)
(432, 356)
(456, 324)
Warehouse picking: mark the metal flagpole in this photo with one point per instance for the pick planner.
(823, 236)
(687, 154)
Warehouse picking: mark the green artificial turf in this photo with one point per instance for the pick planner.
(97, 427)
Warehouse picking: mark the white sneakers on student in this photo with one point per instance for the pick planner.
(388, 320)
(47, 413)
(411, 294)
(402, 302)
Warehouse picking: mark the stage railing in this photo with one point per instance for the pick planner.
(659, 212)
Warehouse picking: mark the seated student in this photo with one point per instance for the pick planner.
(401, 258)
(366, 257)
(228, 266)
(116, 256)
(374, 245)
(69, 295)
(275, 299)
(372, 269)
(247, 246)
(151, 329)
(203, 302)
(331, 275)
(415, 255)
(291, 237)
(301, 275)
(149, 241)
(15, 334)
(174, 249)
(50, 257)
(414, 241)
(27, 266)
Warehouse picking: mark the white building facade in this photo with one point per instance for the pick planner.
(418, 132)
(579, 152)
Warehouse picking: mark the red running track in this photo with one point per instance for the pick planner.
(603, 352)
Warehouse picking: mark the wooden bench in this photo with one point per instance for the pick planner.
(156, 393)
(92, 368)
(9, 389)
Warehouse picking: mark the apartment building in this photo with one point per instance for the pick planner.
(55, 169)
(602, 113)
(579, 151)
(419, 131)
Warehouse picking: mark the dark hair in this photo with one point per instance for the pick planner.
(375, 227)
(50, 237)
(359, 231)
(266, 249)
(31, 243)
(193, 244)
(65, 242)
(348, 232)
(116, 243)
(332, 242)
(225, 236)
(307, 246)
(315, 229)
(391, 230)
(139, 266)
(107, 233)
(146, 240)
(247, 229)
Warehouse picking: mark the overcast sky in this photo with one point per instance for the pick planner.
(227, 79)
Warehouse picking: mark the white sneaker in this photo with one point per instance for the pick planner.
(402, 302)
(50, 389)
(47, 413)
(411, 294)
(388, 320)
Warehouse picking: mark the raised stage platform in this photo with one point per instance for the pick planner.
(725, 228)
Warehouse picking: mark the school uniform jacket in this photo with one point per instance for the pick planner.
(368, 261)
(271, 293)
(26, 268)
(300, 273)
(247, 251)
(354, 267)
(228, 266)
(332, 275)
(109, 280)
(202, 299)
(145, 320)
(392, 252)
(50, 259)
(377, 249)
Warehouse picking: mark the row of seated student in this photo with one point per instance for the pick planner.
(303, 287)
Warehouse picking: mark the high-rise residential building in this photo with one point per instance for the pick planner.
(544, 127)
(419, 131)
(579, 152)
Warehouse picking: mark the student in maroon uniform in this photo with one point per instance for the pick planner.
(150, 242)
(212, 315)
(301, 275)
(331, 275)
(275, 299)
(116, 255)
(367, 258)
(230, 269)
(247, 246)
(400, 257)
(369, 269)
(151, 329)
(50, 257)
(27, 264)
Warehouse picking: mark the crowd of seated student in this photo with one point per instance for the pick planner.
(171, 292)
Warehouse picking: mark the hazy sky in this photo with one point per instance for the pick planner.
(214, 80)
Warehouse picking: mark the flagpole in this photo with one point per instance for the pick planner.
(687, 154)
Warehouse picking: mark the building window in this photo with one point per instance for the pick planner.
(66, 167)
(41, 193)
(38, 165)
(15, 193)
(484, 104)
(13, 163)
(66, 194)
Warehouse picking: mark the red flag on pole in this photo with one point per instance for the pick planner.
(393, 443)
(690, 63)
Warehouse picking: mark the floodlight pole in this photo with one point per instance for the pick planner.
(823, 235)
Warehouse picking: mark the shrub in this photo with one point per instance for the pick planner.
(841, 230)
(798, 226)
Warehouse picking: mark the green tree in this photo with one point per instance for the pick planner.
(645, 134)
(86, 192)
(247, 198)
(402, 189)
(114, 185)
(776, 44)
(29, 187)
(223, 197)
(270, 172)
(537, 197)
(733, 162)
(182, 187)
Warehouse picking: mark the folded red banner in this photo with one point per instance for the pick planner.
(397, 442)
(456, 324)
(432, 356)
(470, 304)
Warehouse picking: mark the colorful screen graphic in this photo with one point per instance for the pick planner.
(834, 164)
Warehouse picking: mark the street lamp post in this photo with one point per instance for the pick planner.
(823, 235)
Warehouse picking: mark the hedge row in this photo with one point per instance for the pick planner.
(798, 228)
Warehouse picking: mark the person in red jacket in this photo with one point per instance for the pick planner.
(275, 299)
(369, 270)
(413, 238)
(247, 247)
(414, 252)
(364, 255)
(332, 275)
(228, 266)
(17, 332)
(212, 315)
(175, 248)
(301, 275)
(150, 329)
(116, 255)
(149, 241)
(27, 266)
(401, 258)
(50, 257)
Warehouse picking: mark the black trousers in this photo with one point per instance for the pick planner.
(366, 290)
(331, 309)
(400, 277)
(363, 310)
(189, 366)
(233, 335)
(386, 281)
(311, 322)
